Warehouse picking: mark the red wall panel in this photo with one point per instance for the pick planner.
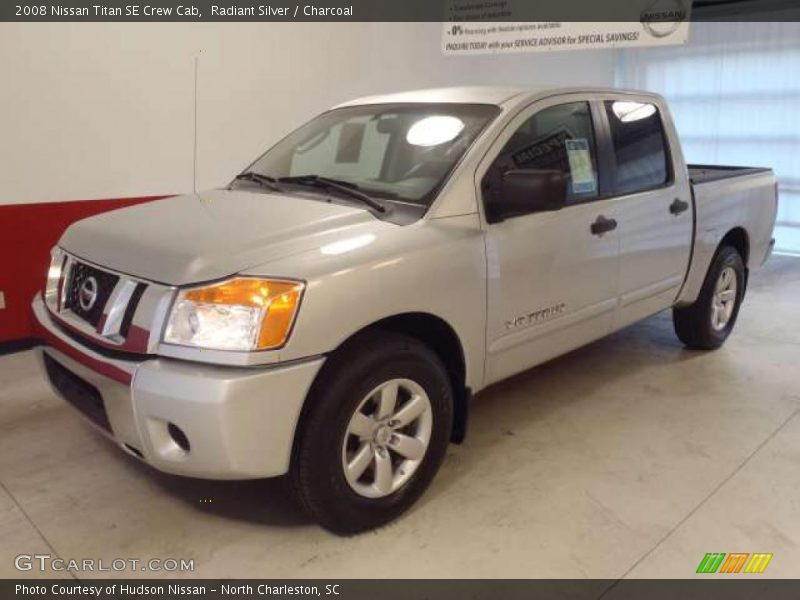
(27, 233)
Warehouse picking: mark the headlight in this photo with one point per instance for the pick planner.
(238, 314)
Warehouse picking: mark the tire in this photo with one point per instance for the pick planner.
(330, 434)
(703, 326)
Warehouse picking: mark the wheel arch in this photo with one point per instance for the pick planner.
(703, 257)
(739, 240)
(438, 335)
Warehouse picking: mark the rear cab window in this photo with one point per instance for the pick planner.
(640, 147)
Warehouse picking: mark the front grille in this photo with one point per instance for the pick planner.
(81, 394)
(91, 285)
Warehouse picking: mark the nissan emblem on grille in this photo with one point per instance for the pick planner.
(87, 295)
(88, 290)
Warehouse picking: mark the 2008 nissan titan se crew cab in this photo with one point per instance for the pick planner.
(330, 312)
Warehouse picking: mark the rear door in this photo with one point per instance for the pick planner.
(655, 217)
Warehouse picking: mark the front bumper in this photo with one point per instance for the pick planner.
(239, 422)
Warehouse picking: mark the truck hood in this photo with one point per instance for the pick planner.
(211, 235)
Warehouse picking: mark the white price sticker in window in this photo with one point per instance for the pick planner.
(583, 177)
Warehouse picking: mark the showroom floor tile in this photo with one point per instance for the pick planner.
(757, 510)
(630, 456)
(18, 535)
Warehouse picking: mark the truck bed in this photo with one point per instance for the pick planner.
(706, 173)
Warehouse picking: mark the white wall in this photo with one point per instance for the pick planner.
(106, 110)
(93, 110)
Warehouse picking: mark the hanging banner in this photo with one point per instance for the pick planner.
(468, 38)
(506, 26)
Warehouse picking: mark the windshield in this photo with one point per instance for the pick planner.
(394, 151)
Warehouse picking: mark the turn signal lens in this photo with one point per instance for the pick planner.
(239, 314)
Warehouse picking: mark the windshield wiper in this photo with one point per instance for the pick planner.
(263, 180)
(345, 187)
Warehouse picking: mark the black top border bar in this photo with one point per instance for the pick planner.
(398, 10)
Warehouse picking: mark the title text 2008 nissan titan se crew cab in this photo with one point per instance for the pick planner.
(330, 312)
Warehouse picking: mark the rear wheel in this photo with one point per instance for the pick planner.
(707, 323)
(374, 434)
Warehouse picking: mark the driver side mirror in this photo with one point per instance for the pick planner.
(526, 191)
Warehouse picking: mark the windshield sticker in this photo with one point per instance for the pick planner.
(351, 138)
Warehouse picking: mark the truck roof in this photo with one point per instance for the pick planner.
(479, 94)
(473, 94)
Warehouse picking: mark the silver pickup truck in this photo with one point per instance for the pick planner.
(329, 314)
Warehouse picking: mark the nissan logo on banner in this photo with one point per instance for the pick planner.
(663, 18)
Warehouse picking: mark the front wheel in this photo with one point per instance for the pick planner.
(374, 434)
(707, 323)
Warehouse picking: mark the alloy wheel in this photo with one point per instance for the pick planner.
(387, 438)
(723, 302)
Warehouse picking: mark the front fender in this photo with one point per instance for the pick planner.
(435, 267)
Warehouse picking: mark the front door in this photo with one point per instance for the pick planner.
(552, 276)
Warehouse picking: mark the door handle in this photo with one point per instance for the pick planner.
(678, 206)
(603, 225)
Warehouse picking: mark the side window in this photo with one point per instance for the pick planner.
(640, 146)
(561, 138)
